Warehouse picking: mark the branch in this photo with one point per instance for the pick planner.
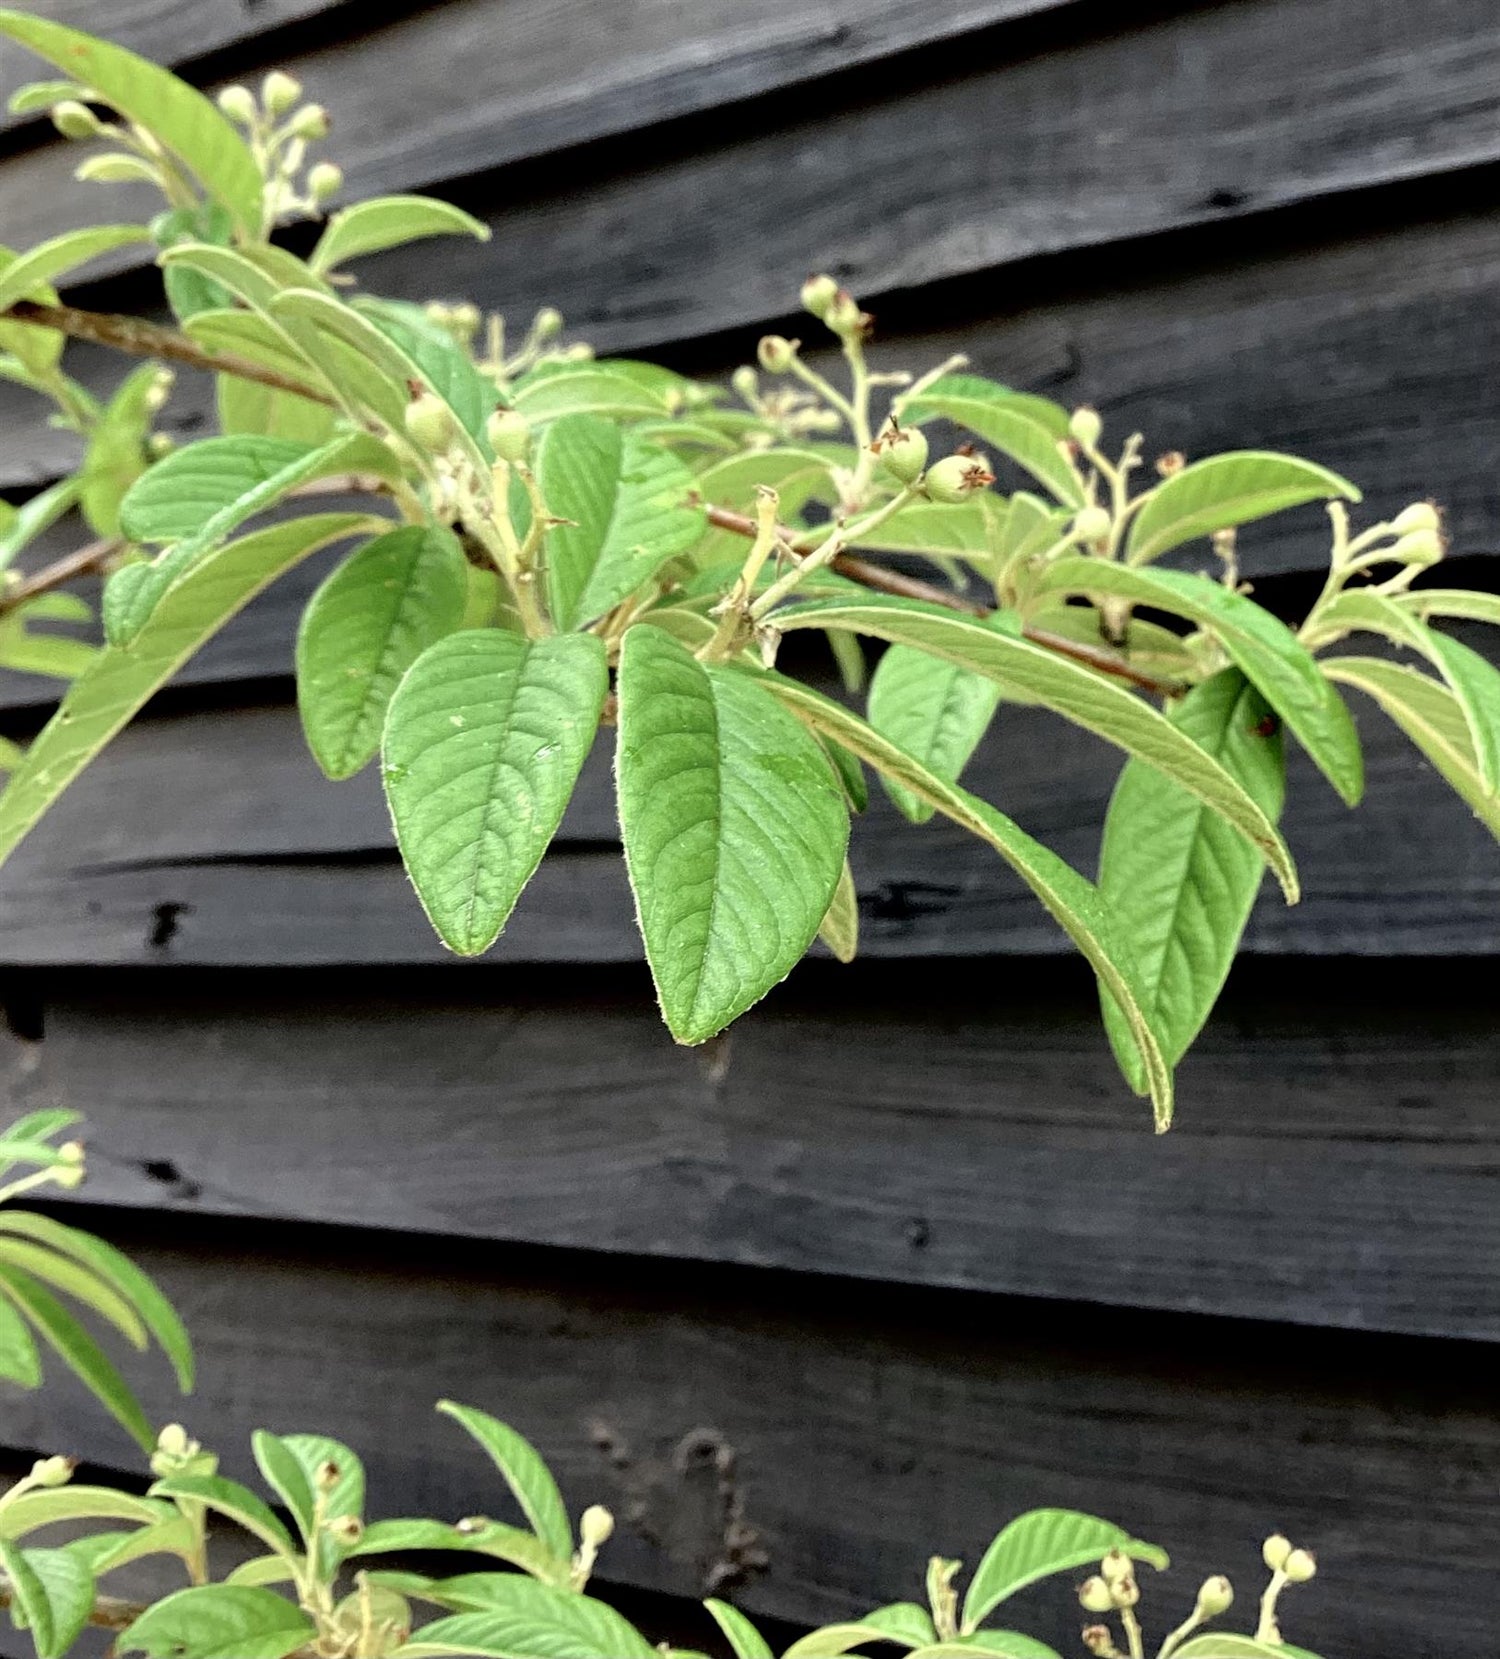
(84, 562)
(882, 580)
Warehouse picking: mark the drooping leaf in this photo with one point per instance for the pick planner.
(1086, 698)
(31, 1599)
(52, 259)
(628, 506)
(361, 631)
(1223, 492)
(47, 1505)
(839, 929)
(744, 1639)
(1462, 604)
(67, 1588)
(514, 1616)
(1040, 1543)
(40, 513)
(219, 1621)
(1030, 430)
(179, 116)
(505, 1543)
(932, 709)
(239, 1503)
(524, 1472)
(72, 1280)
(18, 1356)
(120, 682)
(484, 739)
(734, 826)
(389, 222)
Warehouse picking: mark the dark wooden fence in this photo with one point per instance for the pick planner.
(897, 1256)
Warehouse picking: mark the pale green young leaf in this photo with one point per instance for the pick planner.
(390, 222)
(37, 96)
(47, 1505)
(735, 831)
(1462, 604)
(48, 260)
(745, 1641)
(996, 1644)
(116, 453)
(18, 1356)
(75, 1281)
(441, 361)
(839, 929)
(492, 1538)
(932, 709)
(58, 655)
(38, 1126)
(263, 1570)
(176, 114)
(1040, 1543)
(1264, 648)
(628, 507)
(1030, 430)
(483, 742)
(1227, 1644)
(36, 351)
(106, 1552)
(513, 1617)
(1100, 706)
(190, 291)
(361, 631)
(1071, 900)
(30, 1597)
(524, 1472)
(903, 1624)
(301, 1469)
(966, 529)
(120, 682)
(552, 390)
(1182, 882)
(907, 1620)
(40, 513)
(1223, 492)
(247, 406)
(238, 1503)
(219, 1621)
(67, 1586)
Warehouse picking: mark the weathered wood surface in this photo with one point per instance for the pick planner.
(1333, 1163)
(845, 1430)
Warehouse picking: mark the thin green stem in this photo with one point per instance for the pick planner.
(1134, 1641)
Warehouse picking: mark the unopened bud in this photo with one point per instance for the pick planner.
(547, 324)
(775, 353)
(466, 320)
(1085, 427)
(347, 1529)
(956, 477)
(159, 390)
(327, 1476)
(1097, 1639)
(159, 445)
(68, 1176)
(71, 1152)
(1299, 1566)
(310, 123)
(745, 382)
(279, 91)
(1125, 1592)
(1170, 464)
(436, 312)
(1417, 547)
(818, 295)
(1115, 1566)
(116, 169)
(238, 103)
(579, 352)
(429, 423)
(1421, 515)
(473, 1523)
(595, 1526)
(76, 121)
(1094, 1596)
(324, 181)
(1091, 524)
(53, 1471)
(174, 1441)
(903, 453)
(1214, 1597)
(509, 433)
(846, 319)
(1275, 1551)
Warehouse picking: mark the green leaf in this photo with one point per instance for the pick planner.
(1063, 686)
(797, 476)
(202, 494)
(78, 1351)
(219, 1621)
(229, 1498)
(36, 351)
(505, 1543)
(18, 1356)
(116, 453)
(932, 709)
(389, 222)
(965, 529)
(1030, 430)
(1227, 1645)
(1225, 491)
(294, 1466)
(48, 260)
(180, 117)
(1040, 1543)
(999, 1644)
(839, 929)
(734, 826)
(1462, 603)
(1070, 899)
(122, 681)
(441, 363)
(31, 1599)
(1181, 882)
(524, 1473)
(1431, 716)
(745, 1641)
(105, 1552)
(46, 1506)
(361, 631)
(67, 1588)
(264, 1570)
(552, 390)
(1264, 648)
(906, 1620)
(903, 1623)
(190, 292)
(40, 513)
(518, 1618)
(59, 655)
(483, 743)
(628, 506)
(75, 1281)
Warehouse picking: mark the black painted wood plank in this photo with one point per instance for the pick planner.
(856, 1428)
(1334, 1161)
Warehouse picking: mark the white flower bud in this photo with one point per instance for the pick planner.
(1115, 1566)
(1085, 427)
(1299, 1566)
(595, 1527)
(1216, 1596)
(238, 103)
(278, 92)
(818, 295)
(775, 353)
(547, 324)
(53, 1471)
(1094, 1596)
(1417, 547)
(1275, 1550)
(745, 382)
(324, 181)
(1421, 515)
(310, 123)
(1092, 524)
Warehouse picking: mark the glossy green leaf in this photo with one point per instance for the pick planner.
(518, 1618)
(219, 1621)
(1269, 653)
(1067, 688)
(1030, 430)
(1040, 1543)
(629, 510)
(504, 1543)
(745, 1641)
(179, 116)
(40, 513)
(934, 710)
(52, 259)
(18, 1356)
(239, 1503)
(483, 743)
(552, 390)
(735, 831)
(121, 682)
(1225, 491)
(361, 631)
(301, 1468)
(390, 222)
(523, 1471)
(839, 929)
(1071, 900)
(1182, 882)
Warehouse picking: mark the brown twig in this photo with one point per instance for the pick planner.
(108, 1612)
(84, 562)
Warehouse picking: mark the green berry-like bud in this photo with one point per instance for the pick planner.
(903, 453)
(1216, 1596)
(429, 423)
(745, 382)
(324, 181)
(1092, 524)
(775, 353)
(579, 352)
(238, 103)
(68, 1176)
(53, 1471)
(76, 121)
(1299, 1566)
(955, 478)
(1125, 1592)
(1274, 1552)
(1417, 547)
(1085, 427)
(115, 169)
(1094, 1596)
(845, 318)
(509, 433)
(818, 295)
(279, 92)
(1115, 1566)
(547, 324)
(595, 1526)
(1421, 515)
(311, 123)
